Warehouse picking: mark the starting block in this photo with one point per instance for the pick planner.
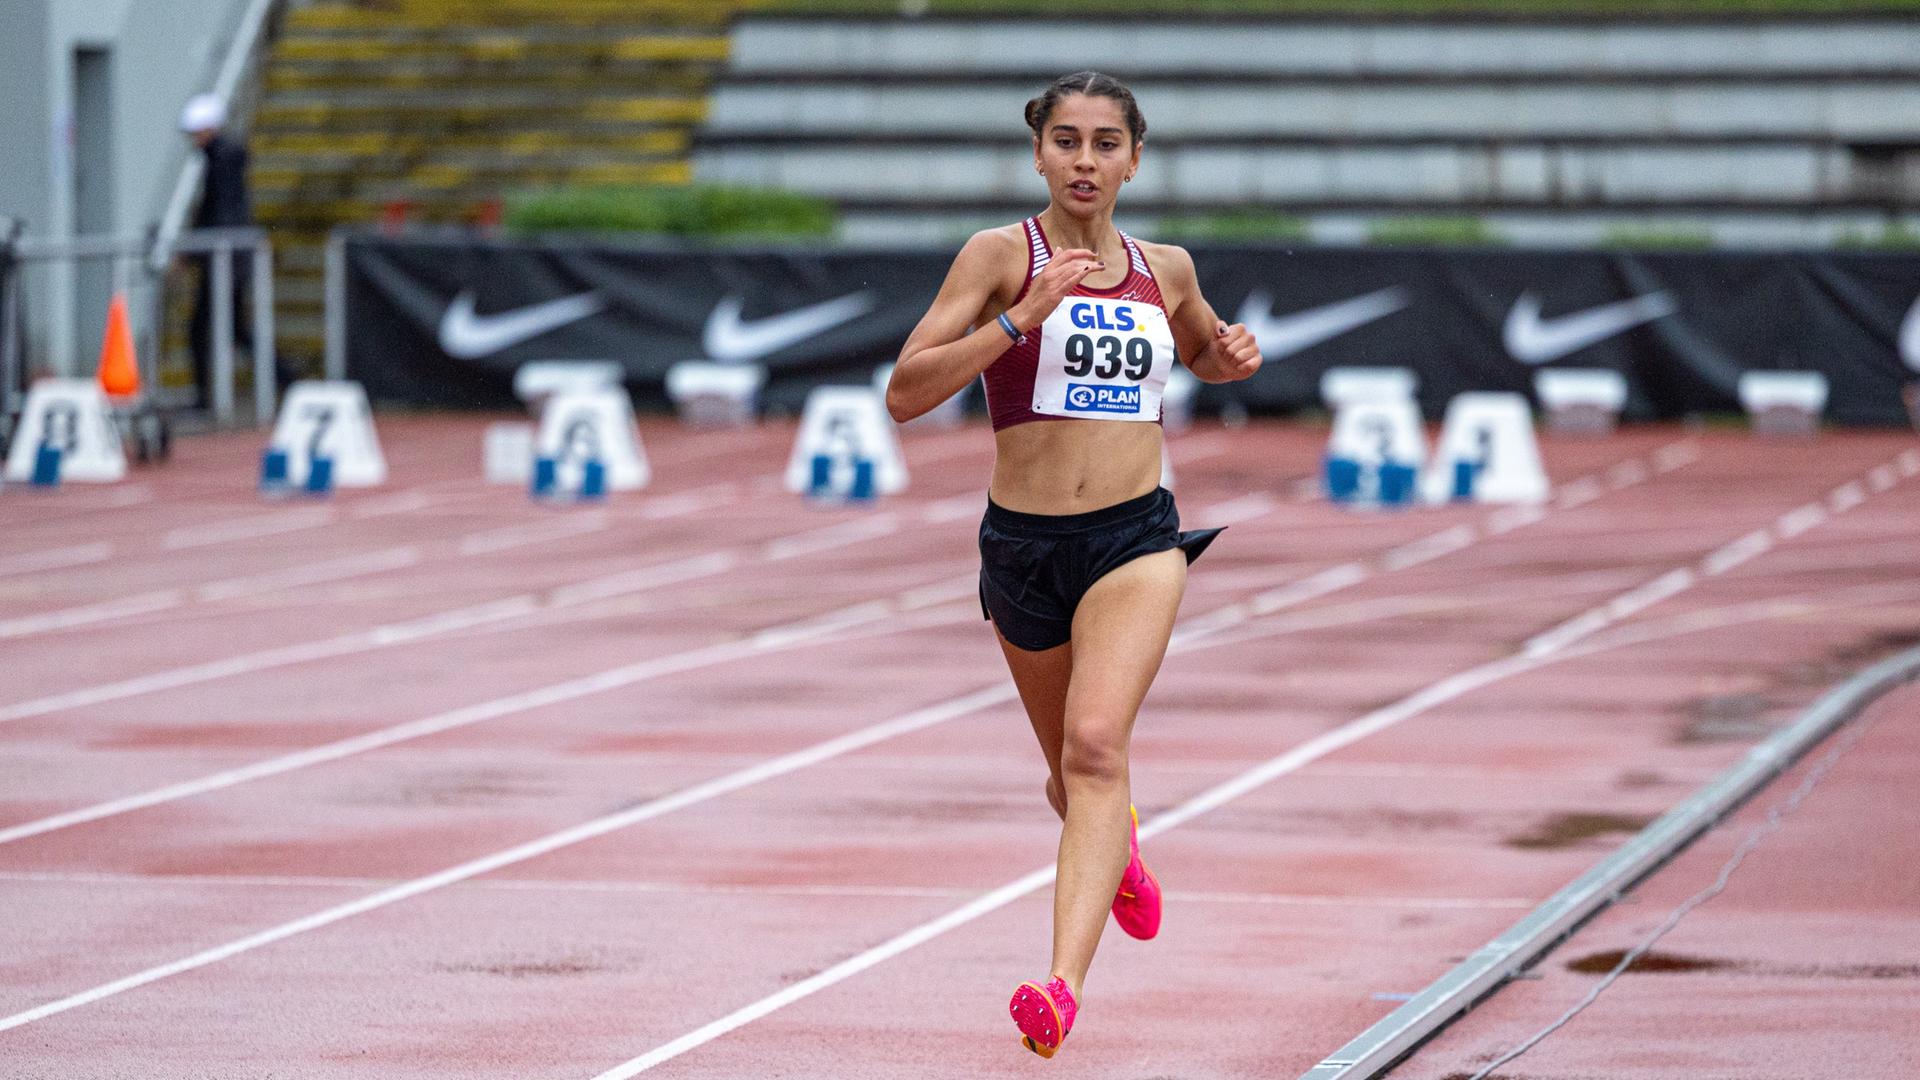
(1342, 386)
(950, 413)
(1487, 453)
(715, 395)
(66, 432)
(1581, 401)
(588, 445)
(323, 438)
(846, 447)
(1375, 451)
(1783, 402)
(537, 380)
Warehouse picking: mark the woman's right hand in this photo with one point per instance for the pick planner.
(1065, 271)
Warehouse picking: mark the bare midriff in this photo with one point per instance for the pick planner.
(1073, 466)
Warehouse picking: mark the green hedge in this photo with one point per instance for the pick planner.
(1231, 226)
(1432, 232)
(692, 210)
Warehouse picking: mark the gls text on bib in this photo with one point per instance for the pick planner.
(1103, 359)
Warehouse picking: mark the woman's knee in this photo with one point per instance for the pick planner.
(1094, 756)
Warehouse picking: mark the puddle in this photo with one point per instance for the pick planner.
(1567, 830)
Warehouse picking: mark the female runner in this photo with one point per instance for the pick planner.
(1082, 560)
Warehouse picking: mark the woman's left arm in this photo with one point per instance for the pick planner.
(1214, 351)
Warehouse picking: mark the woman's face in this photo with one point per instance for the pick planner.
(1085, 153)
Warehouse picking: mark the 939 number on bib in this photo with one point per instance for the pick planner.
(1135, 355)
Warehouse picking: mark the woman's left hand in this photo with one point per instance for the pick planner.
(1233, 354)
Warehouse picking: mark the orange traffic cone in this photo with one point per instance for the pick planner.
(119, 371)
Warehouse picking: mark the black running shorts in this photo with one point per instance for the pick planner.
(1034, 568)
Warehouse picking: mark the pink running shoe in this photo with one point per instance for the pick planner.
(1044, 1014)
(1136, 907)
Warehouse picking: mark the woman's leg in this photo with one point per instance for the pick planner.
(1120, 634)
(1042, 680)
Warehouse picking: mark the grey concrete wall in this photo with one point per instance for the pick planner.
(162, 52)
(26, 123)
(1030, 47)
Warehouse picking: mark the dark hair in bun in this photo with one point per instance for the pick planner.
(1092, 84)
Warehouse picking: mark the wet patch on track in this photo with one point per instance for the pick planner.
(1569, 830)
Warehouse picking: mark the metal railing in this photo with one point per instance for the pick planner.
(243, 55)
(135, 269)
(11, 361)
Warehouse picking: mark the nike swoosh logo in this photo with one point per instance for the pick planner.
(1288, 334)
(1533, 340)
(1910, 337)
(731, 341)
(466, 335)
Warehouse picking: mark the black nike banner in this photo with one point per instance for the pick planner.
(444, 322)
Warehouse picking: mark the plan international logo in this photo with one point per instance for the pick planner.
(1082, 397)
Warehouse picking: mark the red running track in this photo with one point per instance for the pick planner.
(1805, 965)
(708, 783)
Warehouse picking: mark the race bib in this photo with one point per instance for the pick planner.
(1103, 360)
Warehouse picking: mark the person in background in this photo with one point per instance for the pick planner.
(224, 203)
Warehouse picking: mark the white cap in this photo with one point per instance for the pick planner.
(206, 112)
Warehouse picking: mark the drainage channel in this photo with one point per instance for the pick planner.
(1396, 1036)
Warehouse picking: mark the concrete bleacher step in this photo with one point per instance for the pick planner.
(406, 16)
(438, 109)
(1467, 173)
(1321, 46)
(1746, 128)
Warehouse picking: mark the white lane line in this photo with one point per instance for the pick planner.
(1667, 584)
(539, 532)
(1737, 552)
(1909, 463)
(479, 543)
(1578, 493)
(148, 603)
(710, 497)
(784, 636)
(1846, 497)
(111, 499)
(767, 770)
(68, 618)
(1508, 518)
(1326, 581)
(1235, 511)
(643, 578)
(1722, 559)
(1621, 606)
(371, 562)
(1190, 635)
(244, 663)
(1434, 695)
(870, 527)
(1429, 548)
(712, 789)
(1799, 520)
(689, 888)
(972, 504)
(1503, 520)
(30, 562)
(1674, 455)
(248, 528)
(1626, 474)
(403, 502)
(1882, 477)
(456, 619)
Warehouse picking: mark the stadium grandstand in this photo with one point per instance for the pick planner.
(527, 547)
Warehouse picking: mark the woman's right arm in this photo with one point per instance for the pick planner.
(941, 355)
